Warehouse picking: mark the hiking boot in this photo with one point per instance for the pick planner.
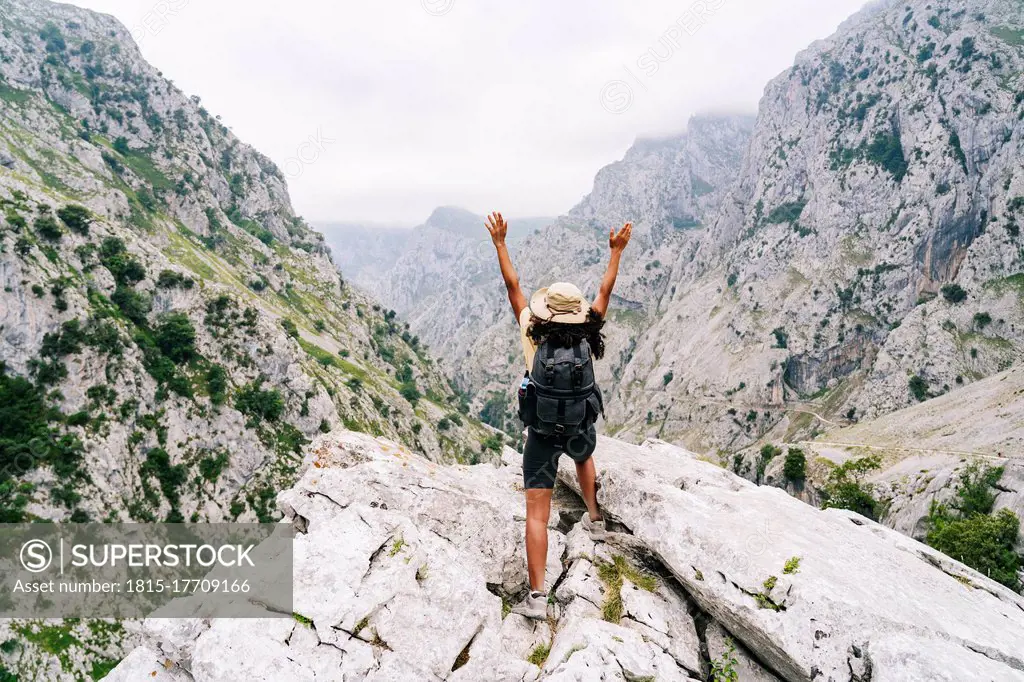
(596, 529)
(534, 605)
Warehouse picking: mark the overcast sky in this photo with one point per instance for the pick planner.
(487, 105)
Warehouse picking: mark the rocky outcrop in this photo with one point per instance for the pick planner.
(884, 166)
(404, 570)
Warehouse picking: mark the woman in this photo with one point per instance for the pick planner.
(556, 317)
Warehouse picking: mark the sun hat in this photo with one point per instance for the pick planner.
(561, 302)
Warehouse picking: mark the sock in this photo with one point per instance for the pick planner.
(536, 594)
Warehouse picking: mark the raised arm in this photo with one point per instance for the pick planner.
(617, 242)
(498, 228)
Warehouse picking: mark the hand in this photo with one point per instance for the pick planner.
(498, 228)
(618, 240)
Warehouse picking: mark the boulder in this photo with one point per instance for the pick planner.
(859, 587)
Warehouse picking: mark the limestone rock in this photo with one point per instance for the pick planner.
(862, 585)
(404, 567)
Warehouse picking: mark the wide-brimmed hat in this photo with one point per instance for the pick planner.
(560, 302)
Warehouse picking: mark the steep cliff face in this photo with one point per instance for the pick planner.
(171, 333)
(405, 571)
(872, 236)
(446, 283)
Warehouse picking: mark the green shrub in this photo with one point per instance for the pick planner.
(15, 220)
(494, 410)
(786, 213)
(133, 305)
(404, 373)
(410, 392)
(253, 401)
(767, 454)
(919, 388)
(124, 267)
(985, 543)
(170, 279)
(781, 337)
(47, 228)
(171, 477)
(982, 320)
(667, 379)
(290, 328)
(78, 419)
(211, 466)
(975, 489)
(176, 337)
(887, 151)
(77, 218)
(846, 488)
(795, 467)
(492, 442)
(953, 293)
(723, 668)
(217, 384)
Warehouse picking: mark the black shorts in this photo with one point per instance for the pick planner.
(541, 453)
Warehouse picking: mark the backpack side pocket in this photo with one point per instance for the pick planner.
(527, 395)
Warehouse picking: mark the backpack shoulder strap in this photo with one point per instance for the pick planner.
(577, 369)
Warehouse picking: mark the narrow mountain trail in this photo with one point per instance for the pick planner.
(889, 448)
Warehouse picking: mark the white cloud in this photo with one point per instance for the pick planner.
(490, 105)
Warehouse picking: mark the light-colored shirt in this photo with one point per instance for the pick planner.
(529, 347)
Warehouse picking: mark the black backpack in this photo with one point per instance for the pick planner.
(560, 397)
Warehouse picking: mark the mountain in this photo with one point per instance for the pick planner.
(704, 571)
(172, 334)
(869, 254)
(450, 290)
(374, 256)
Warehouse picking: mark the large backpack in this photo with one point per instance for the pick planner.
(560, 397)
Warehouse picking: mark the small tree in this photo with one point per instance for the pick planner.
(846, 488)
(176, 337)
(47, 228)
(289, 328)
(768, 453)
(77, 218)
(919, 388)
(795, 467)
(983, 542)
(259, 404)
(410, 392)
(954, 293)
(975, 489)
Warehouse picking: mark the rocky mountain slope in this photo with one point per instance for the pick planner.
(171, 333)
(405, 571)
(868, 255)
(923, 452)
(446, 283)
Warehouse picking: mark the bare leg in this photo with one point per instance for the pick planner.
(586, 473)
(538, 510)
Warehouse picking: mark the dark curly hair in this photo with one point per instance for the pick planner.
(566, 335)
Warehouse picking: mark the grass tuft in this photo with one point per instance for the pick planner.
(611, 575)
